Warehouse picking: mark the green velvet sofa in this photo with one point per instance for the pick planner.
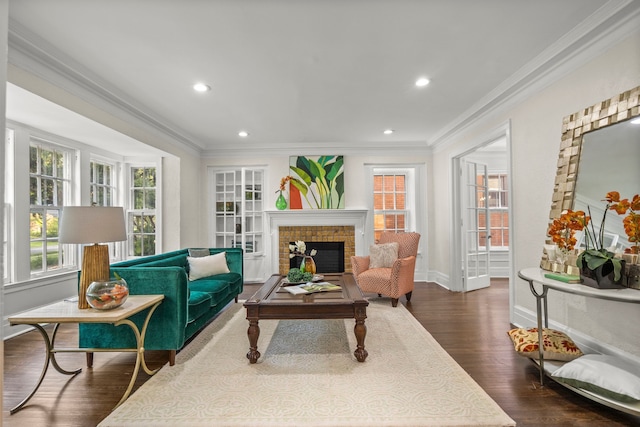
(188, 305)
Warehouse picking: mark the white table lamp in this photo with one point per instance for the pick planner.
(92, 225)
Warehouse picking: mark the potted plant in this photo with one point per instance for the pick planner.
(598, 266)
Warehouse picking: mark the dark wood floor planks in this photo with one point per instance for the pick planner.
(471, 327)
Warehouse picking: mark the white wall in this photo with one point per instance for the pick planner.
(356, 197)
(535, 135)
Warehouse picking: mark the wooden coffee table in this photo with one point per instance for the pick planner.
(272, 301)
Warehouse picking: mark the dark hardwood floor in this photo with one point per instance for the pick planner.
(471, 327)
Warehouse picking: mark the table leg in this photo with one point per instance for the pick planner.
(49, 357)
(540, 299)
(253, 333)
(361, 331)
(140, 335)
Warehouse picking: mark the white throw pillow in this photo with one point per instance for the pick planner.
(605, 375)
(207, 266)
(383, 255)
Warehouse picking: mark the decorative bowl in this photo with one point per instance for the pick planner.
(107, 295)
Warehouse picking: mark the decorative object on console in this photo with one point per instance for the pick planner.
(95, 225)
(106, 295)
(599, 266)
(631, 223)
(316, 182)
(557, 345)
(281, 201)
(299, 249)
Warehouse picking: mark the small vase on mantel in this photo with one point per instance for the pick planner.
(281, 202)
(308, 265)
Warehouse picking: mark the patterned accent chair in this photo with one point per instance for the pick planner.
(396, 280)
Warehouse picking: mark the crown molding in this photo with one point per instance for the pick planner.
(612, 23)
(387, 148)
(36, 56)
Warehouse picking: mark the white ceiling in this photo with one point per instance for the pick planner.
(303, 73)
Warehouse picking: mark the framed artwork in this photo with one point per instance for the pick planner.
(317, 182)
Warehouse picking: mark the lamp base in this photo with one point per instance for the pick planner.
(95, 267)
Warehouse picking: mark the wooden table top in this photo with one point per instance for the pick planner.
(68, 312)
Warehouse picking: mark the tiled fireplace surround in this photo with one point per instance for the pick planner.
(326, 225)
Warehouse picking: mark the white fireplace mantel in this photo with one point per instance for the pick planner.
(318, 217)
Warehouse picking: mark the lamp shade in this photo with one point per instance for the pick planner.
(92, 224)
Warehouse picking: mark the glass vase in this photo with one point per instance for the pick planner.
(308, 265)
(281, 202)
(108, 294)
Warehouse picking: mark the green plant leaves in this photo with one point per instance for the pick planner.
(322, 178)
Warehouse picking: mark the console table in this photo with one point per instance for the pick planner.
(536, 275)
(68, 312)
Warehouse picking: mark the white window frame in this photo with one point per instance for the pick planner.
(503, 177)
(65, 254)
(131, 211)
(410, 198)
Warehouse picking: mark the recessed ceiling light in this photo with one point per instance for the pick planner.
(388, 131)
(243, 134)
(422, 81)
(635, 121)
(201, 87)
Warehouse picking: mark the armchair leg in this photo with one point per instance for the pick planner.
(89, 359)
(408, 295)
(172, 357)
(394, 302)
(379, 295)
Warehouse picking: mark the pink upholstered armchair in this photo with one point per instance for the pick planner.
(393, 281)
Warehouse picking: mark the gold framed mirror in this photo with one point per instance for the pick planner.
(618, 109)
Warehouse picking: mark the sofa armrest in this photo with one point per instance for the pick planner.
(168, 322)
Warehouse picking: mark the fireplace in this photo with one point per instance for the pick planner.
(329, 258)
(345, 226)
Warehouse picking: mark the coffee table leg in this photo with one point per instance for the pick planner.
(253, 332)
(361, 331)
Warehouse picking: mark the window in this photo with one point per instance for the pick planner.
(498, 210)
(392, 201)
(101, 184)
(142, 211)
(49, 188)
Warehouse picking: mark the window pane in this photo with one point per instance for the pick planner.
(47, 162)
(35, 225)
(149, 245)
(400, 201)
(47, 192)
(138, 199)
(59, 165)
(33, 191)
(137, 176)
(388, 201)
(33, 159)
(150, 199)
(149, 224)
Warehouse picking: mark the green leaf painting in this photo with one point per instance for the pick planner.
(316, 182)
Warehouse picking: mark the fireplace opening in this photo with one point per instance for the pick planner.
(329, 259)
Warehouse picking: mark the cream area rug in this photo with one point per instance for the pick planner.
(307, 376)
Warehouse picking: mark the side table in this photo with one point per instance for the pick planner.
(68, 312)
